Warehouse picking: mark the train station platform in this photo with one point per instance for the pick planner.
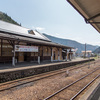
(22, 65)
(8, 72)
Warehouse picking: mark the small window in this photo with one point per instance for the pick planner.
(31, 32)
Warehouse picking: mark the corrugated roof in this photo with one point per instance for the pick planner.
(90, 10)
(15, 29)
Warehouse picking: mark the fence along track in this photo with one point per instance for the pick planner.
(38, 77)
(70, 85)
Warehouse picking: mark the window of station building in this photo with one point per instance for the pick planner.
(36, 53)
(32, 53)
(31, 32)
(7, 50)
(49, 51)
(4, 49)
(41, 51)
(45, 51)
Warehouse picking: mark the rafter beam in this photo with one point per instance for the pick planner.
(93, 17)
(88, 22)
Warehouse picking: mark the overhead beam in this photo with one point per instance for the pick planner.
(88, 22)
(93, 17)
(93, 23)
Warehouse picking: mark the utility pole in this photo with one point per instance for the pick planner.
(85, 51)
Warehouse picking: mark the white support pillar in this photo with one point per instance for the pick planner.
(58, 55)
(13, 61)
(66, 55)
(39, 55)
(38, 59)
(70, 55)
(13, 58)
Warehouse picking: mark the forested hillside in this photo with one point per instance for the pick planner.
(5, 17)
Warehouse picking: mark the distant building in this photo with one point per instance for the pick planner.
(19, 44)
(87, 53)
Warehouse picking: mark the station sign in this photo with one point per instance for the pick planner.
(22, 48)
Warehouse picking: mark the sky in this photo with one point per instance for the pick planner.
(54, 17)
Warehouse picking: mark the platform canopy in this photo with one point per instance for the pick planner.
(90, 10)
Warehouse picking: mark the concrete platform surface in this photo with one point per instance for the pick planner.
(29, 65)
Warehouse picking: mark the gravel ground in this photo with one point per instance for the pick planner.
(42, 88)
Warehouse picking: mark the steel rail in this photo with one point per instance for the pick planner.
(84, 88)
(23, 79)
(70, 85)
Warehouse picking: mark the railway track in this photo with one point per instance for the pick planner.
(77, 94)
(15, 83)
(71, 91)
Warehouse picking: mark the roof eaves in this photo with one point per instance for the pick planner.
(83, 15)
(35, 41)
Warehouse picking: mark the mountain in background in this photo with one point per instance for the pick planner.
(97, 50)
(6, 18)
(71, 43)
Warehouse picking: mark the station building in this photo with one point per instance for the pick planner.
(19, 44)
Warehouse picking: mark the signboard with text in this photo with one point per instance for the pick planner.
(22, 48)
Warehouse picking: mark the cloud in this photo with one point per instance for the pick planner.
(33, 27)
(40, 28)
(57, 34)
